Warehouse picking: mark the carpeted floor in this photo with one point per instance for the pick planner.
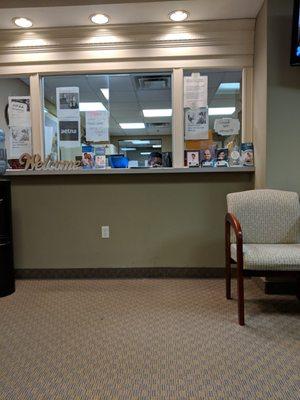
(146, 339)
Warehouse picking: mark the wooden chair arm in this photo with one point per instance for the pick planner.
(232, 221)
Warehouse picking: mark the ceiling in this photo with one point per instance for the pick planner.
(127, 98)
(125, 13)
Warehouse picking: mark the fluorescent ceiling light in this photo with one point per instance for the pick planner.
(90, 106)
(229, 86)
(22, 22)
(128, 148)
(167, 112)
(145, 153)
(178, 15)
(99, 19)
(132, 125)
(157, 146)
(221, 110)
(137, 141)
(105, 93)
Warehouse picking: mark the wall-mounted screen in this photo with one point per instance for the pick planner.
(295, 56)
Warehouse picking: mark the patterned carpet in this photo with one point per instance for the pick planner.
(146, 339)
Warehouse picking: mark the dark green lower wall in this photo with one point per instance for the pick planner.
(155, 220)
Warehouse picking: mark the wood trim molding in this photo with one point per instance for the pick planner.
(158, 40)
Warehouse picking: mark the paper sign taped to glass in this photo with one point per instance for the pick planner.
(196, 124)
(19, 111)
(96, 126)
(195, 91)
(67, 102)
(227, 126)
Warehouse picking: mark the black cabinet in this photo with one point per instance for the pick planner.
(7, 276)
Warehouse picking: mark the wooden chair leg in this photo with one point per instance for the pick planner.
(228, 278)
(240, 292)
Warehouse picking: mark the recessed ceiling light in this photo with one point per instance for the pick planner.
(167, 112)
(132, 125)
(221, 110)
(99, 19)
(138, 141)
(156, 146)
(178, 15)
(128, 148)
(22, 22)
(145, 153)
(90, 106)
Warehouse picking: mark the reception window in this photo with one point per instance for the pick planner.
(114, 119)
(213, 118)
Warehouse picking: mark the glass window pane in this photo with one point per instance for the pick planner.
(213, 129)
(114, 112)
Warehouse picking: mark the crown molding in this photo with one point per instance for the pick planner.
(203, 38)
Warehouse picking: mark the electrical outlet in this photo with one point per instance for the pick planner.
(105, 232)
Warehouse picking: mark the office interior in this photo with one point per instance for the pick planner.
(113, 281)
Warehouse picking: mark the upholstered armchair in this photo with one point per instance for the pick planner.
(261, 237)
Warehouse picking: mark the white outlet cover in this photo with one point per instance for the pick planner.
(105, 232)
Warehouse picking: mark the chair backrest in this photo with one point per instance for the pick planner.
(266, 216)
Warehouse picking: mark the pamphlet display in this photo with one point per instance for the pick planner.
(19, 140)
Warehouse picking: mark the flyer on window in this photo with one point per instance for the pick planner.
(96, 126)
(67, 102)
(19, 141)
(69, 131)
(227, 126)
(195, 91)
(196, 124)
(19, 111)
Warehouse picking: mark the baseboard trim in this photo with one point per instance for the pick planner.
(120, 273)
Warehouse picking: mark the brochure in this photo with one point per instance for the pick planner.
(87, 157)
(100, 158)
(247, 154)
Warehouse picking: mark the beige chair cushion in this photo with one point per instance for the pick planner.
(266, 216)
(273, 257)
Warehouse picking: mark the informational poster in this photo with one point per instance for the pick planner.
(196, 124)
(67, 103)
(96, 125)
(195, 91)
(227, 126)
(69, 130)
(19, 141)
(19, 111)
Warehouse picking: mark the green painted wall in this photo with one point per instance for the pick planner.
(283, 102)
(155, 220)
